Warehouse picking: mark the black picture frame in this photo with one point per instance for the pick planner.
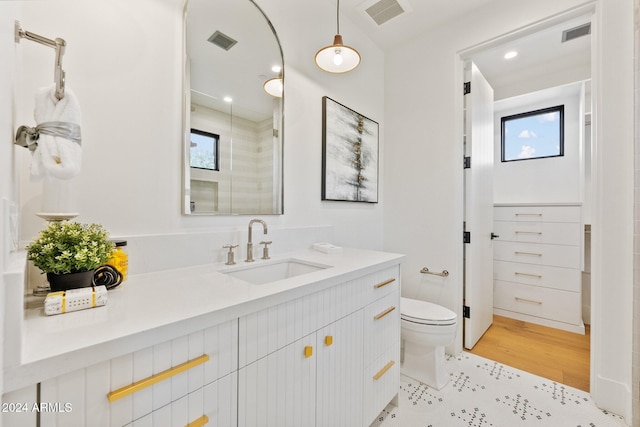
(350, 154)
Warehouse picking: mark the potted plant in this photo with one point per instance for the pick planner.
(69, 252)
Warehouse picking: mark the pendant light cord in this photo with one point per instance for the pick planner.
(338, 17)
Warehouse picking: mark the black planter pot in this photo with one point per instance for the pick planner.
(64, 282)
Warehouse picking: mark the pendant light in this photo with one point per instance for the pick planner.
(274, 87)
(337, 58)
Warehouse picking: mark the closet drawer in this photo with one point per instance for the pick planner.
(540, 254)
(557, 233)
(533, 213)
(381, 325)
(553, 304)
(568, 279)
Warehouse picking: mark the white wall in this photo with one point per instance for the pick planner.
(545, 180)
(423, 157)
(8, 187)
(123, 61)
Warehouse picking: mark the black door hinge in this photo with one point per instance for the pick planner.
(466, 237)
(467, 162)
(467, 88)
(466, 312)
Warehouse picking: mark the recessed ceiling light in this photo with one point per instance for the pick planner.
(511, 54)
(227, 99)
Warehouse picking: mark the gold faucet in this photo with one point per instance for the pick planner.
(250, 243)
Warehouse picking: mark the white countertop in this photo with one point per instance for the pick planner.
(151, 308)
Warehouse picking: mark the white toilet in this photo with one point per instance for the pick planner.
(426, 329)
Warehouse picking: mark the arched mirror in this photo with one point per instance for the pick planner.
(233, 132)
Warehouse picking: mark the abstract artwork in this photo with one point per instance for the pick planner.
(349, 154)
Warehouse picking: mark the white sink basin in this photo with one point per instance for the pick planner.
(261, 272)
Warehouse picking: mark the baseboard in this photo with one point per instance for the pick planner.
(612, 396)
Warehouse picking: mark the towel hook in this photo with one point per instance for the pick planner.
(58, 44)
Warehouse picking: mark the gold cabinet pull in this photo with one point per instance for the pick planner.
(328, 340)
(384, 370)
(538, 233)
(199, 422)
(384, 313)
(528, 214)
(308, 352)
(154, 379)
(385, 283)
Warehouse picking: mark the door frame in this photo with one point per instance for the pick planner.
(467, 54)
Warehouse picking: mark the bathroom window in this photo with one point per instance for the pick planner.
(204, 150)
(533, 135)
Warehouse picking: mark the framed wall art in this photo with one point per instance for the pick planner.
(349, 154)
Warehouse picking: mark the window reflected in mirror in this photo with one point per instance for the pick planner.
(204, 150)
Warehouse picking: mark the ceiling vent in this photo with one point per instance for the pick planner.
(222, 40)
(574, 33)
(384, 10)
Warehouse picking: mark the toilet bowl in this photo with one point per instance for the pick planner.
(426, 328)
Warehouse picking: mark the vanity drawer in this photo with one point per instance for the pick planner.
(556, 233)
(535, 253)
(381, 382)
(381, 325)
(553, 304)
(380, 284)
(568, 279)
(536, 213)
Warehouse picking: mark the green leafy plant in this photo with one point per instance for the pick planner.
(70, 247)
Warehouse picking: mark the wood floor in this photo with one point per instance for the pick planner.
(551, 353)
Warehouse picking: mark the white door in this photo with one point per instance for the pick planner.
(478, 253)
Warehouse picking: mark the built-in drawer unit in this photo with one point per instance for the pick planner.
(538, 263)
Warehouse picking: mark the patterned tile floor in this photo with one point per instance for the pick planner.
(484, 393)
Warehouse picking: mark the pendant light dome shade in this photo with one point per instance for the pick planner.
(274, 86)
(337, 58)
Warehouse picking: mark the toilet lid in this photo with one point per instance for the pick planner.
(425, 312)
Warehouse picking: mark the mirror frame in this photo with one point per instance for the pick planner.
(186, 129)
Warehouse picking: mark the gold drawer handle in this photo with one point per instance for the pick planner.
(384, 313)
(537, 276)
(527, 253)
(528, 300)
(328, 340)
(384, 370)
(154, 379)
(199, 422)
(539, 233)
(385, 283)
(528, 214)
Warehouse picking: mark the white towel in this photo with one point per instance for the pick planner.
(56, 156)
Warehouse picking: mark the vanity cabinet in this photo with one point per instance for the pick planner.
(306, 362)
(538, 264)
(327, 357)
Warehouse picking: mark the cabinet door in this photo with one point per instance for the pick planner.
(279, 390)
(339, 373)
(18, 410)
